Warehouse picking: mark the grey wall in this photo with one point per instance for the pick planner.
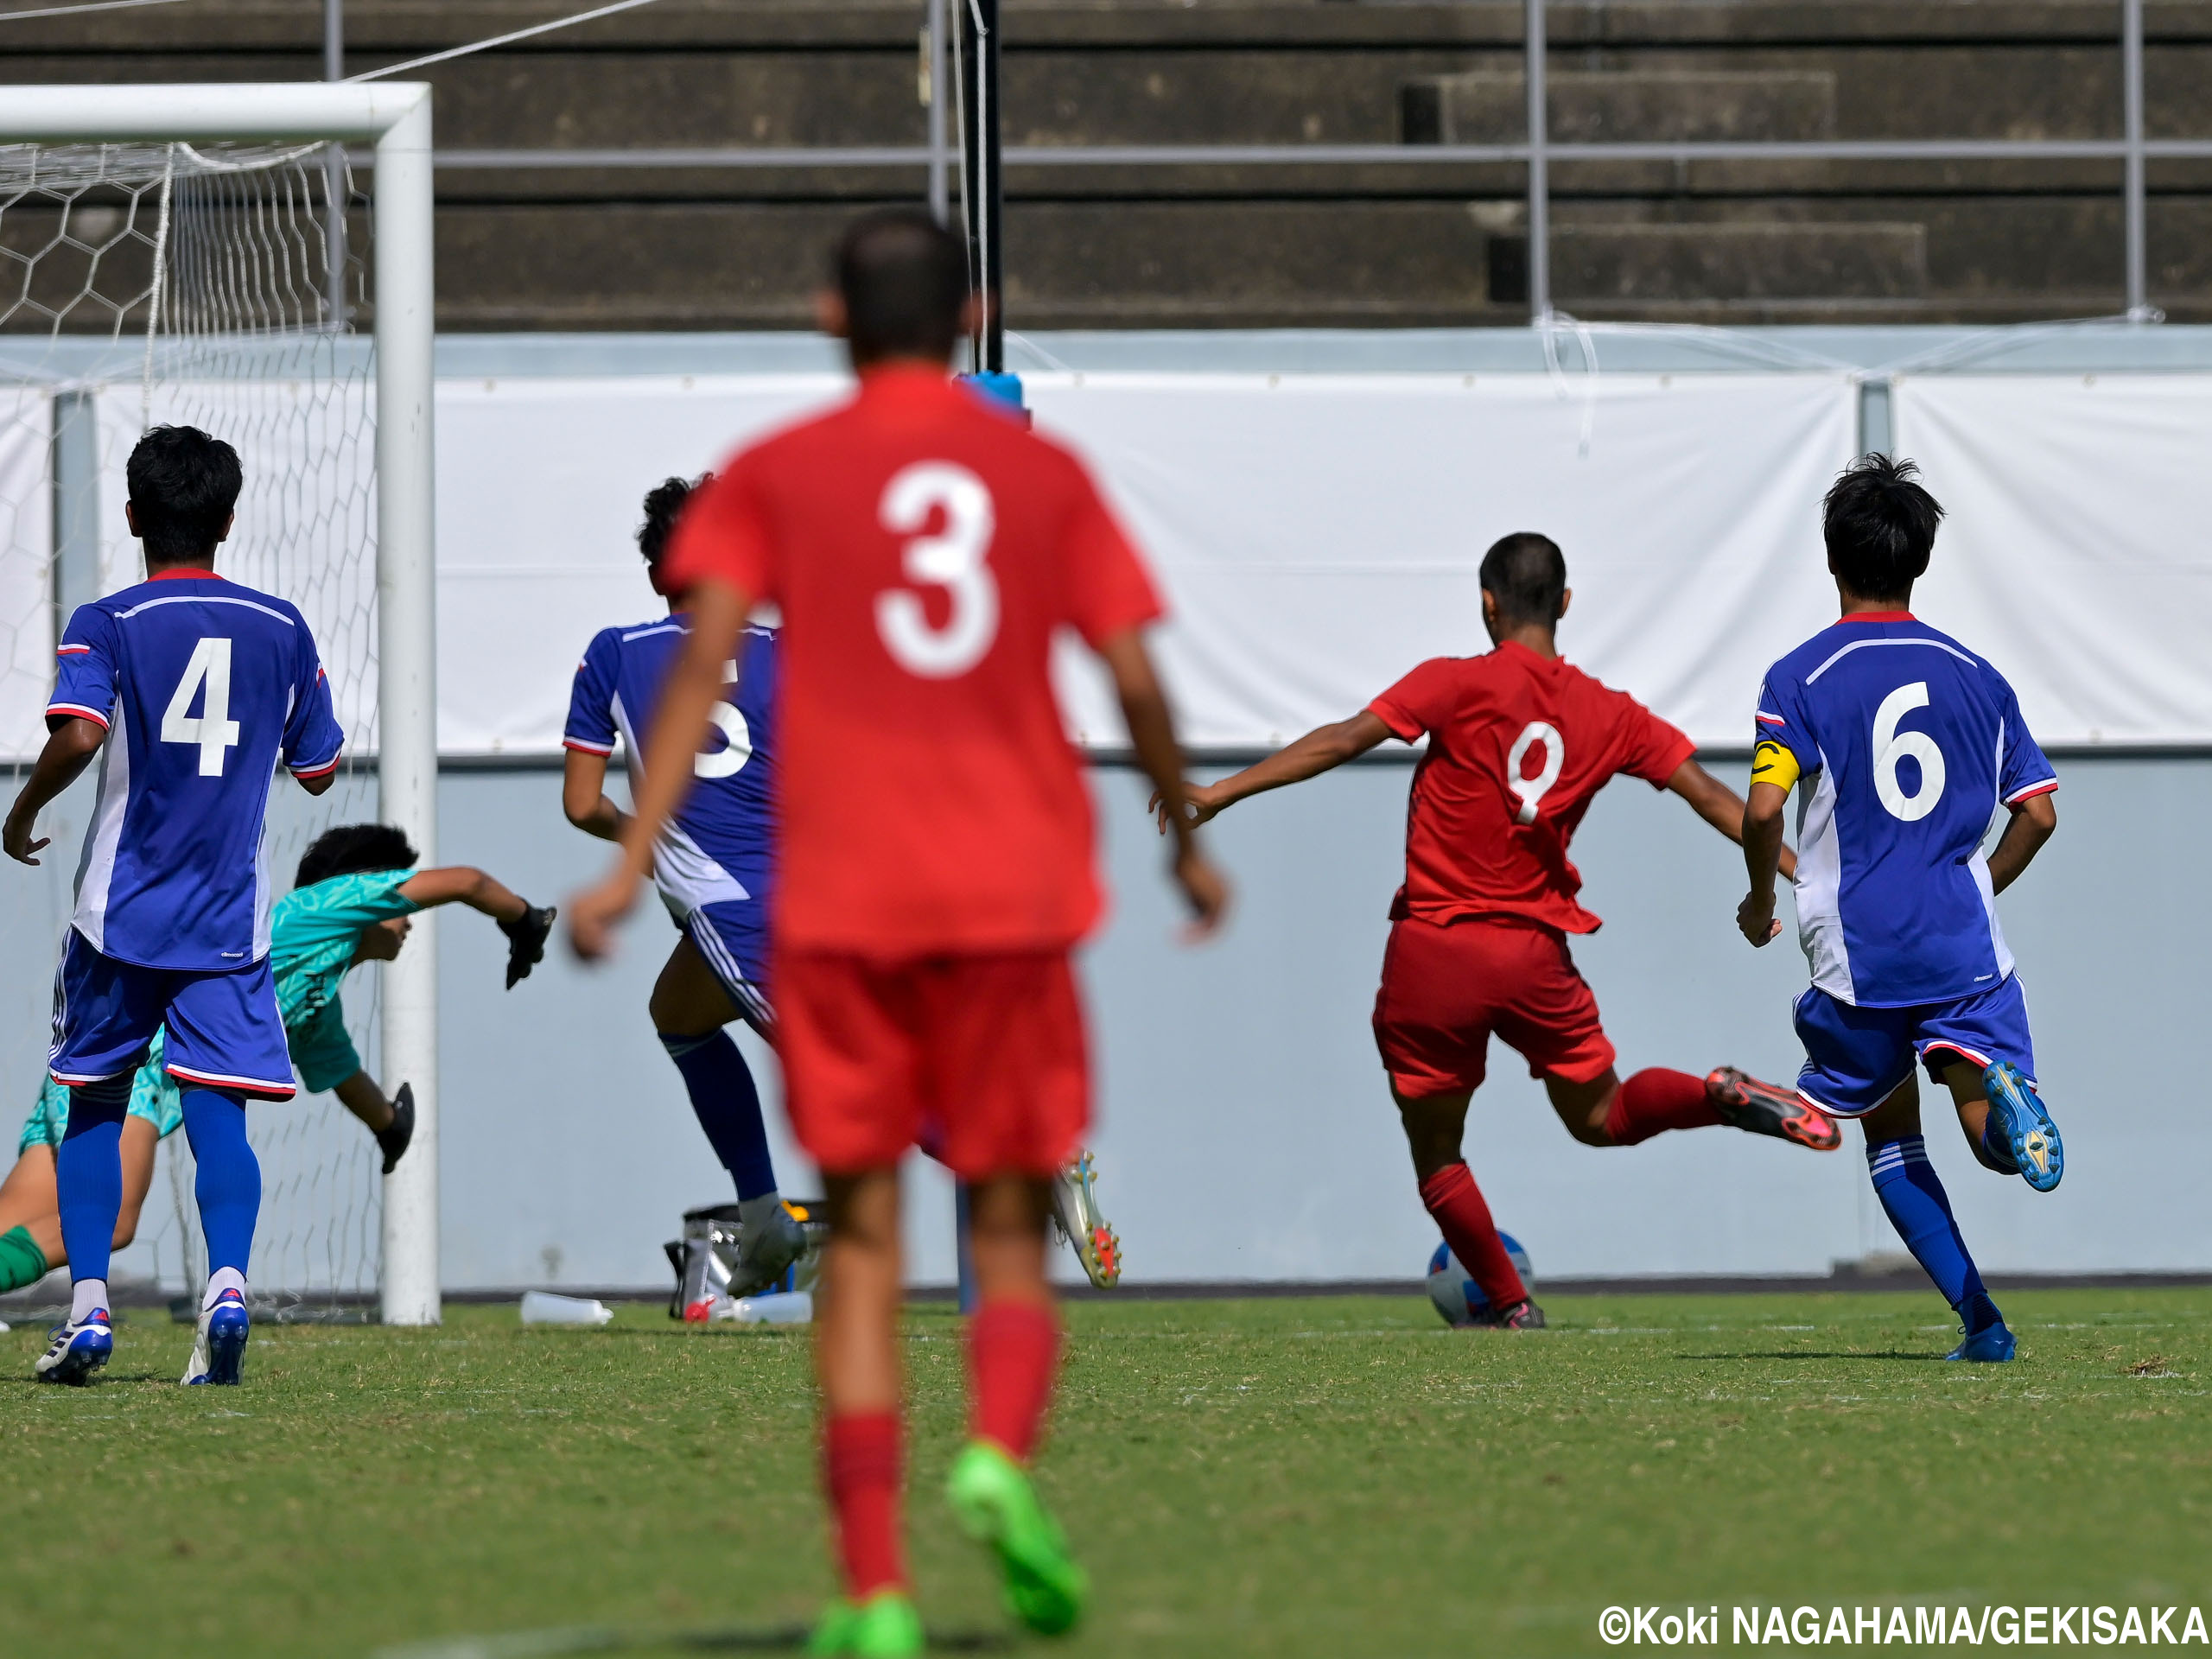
(1246, 1131)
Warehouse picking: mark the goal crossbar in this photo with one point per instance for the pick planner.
(394, 116)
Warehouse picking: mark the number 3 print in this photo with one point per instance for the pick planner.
(951, 559)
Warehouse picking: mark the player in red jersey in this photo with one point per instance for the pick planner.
(1519, 741)
(936, 866)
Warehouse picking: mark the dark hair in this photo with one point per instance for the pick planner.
(663, 506)
(352, 849)
(904, 279)
(1526, 573)
(1880, 526)
(183, 487)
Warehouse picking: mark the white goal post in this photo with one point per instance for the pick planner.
(395, 116)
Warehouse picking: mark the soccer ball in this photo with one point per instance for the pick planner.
(1458, 1298)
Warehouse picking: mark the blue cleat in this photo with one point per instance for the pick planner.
(2029, 1133)
(218, 1354)
(79, 1349)
(1991, 1345)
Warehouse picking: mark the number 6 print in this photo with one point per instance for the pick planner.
(1891, 746)
(952, 559)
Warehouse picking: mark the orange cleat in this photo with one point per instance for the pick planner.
(1765, 1109)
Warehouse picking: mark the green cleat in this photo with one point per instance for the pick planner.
(995, 1504)
(884, 1626)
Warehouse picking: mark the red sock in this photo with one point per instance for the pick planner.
(1013, 1350)
(1656, 1100)
(860, 1467)
(1456, 1203)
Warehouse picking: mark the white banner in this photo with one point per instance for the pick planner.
(1317, 535)
(2077, 551)
(26, 566)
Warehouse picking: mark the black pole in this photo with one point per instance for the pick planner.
(986, 195)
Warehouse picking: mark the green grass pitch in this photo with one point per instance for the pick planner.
(1328, 1476)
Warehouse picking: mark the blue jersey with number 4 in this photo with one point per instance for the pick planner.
(720, 844)
(1906, 744)
(203, 686)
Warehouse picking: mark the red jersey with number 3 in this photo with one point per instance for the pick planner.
(925, 551)
(1518, 745)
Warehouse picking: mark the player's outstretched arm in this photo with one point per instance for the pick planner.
(1152, 734)
(695, 685)
(1762, 849)
(69, 749)
(1719, 806)
(2034, 822)
(1320, 750)
(526, 925)
(584, 798)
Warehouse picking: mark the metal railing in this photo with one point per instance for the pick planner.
(939, 156)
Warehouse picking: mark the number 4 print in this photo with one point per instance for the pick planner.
(213, 728)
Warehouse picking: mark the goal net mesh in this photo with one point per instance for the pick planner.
(221, 286)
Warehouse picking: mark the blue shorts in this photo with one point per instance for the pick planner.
(224, 1028)
(1855, 1059)
(732, 937)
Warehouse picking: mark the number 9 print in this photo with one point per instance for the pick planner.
(952, 559)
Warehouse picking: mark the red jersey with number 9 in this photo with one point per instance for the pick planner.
(925, 551)
(1518, 745)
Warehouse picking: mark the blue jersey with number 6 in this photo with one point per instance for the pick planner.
(204, 686)
(1906, 744)
(720, 846)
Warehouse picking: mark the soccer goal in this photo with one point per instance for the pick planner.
(201, 254)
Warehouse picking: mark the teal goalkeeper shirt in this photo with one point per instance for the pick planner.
(314, 932)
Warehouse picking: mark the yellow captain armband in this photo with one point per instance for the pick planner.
(1773, 763)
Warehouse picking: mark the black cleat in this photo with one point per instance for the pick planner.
(395, 1135)
(1523, 1315)
(1763, 1109)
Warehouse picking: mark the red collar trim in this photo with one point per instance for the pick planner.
(1877, 616)
(179, 573)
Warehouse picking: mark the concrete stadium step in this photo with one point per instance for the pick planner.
(1655, 105)
(696, 246)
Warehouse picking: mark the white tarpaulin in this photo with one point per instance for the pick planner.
(26, 582)
(1317, 536)
(2077, 555)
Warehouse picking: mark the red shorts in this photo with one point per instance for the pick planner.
(985, 1054)
(1445, 989)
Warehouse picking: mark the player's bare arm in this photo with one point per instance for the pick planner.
(1152, 733)
(316, 785)
(1719, 806)
(1320, 750)
(462, 884)
(2034, 821)
(584, 798)
(1763, 853)
(69, 749)
(695, 685)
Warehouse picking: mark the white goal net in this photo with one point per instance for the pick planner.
(218, 286)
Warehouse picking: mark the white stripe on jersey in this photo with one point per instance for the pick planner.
(200, 599)
(1861, 645)
(1820, 887)
(96, 870)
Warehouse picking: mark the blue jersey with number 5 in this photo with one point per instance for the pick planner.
(203, 686)
(720, 844)
(1906, 745)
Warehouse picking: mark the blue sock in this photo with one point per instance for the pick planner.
(728, 1103)
(88, 1173)
(229, 1183)
(1913, 1198)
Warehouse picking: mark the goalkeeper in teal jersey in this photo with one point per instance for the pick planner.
(357, 887)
